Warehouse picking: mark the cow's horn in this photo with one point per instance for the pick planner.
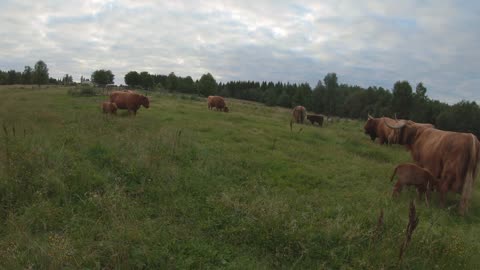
(369, 116)
(395, 115)
(395, 127)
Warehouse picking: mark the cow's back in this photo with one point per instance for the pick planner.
(443, 153)
(120, 99)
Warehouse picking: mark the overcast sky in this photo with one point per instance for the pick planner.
(367, 43)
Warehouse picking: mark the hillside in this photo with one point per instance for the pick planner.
(179, 186)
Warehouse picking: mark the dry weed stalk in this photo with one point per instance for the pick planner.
(412, 224)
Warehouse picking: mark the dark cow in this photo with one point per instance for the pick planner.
(314, 118)
(109, 107)
(217, 102)
(129, 100)
(451, 157)
(410, 174)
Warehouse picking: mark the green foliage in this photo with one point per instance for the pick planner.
(84, 91)
(146, 80)
(402, 99)
(284, 100)
(132, 79)
(102, 77)
(40, 73)
(207, 85)
(463, 116)
(27, 75)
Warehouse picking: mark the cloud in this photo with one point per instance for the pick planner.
(365, 42)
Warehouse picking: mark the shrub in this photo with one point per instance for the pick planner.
(84, 91)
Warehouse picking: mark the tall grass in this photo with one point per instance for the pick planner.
(179, 186)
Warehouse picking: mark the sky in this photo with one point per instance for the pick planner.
(366, 43)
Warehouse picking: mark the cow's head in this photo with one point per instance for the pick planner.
(225, 109)
(406, 131)
(371, 127)
(145, 102)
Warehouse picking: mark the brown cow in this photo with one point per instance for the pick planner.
(314, 118)
(109, 107)
(217, 102)
(451, 157)
(410, 174)
(129, 100)
(299, 114)
(375, 128)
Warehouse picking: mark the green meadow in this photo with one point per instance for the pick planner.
(180, 186)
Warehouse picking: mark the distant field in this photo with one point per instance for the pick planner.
(179, 186)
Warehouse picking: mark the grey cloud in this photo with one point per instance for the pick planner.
(366, 42)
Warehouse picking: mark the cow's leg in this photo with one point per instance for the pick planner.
(311, 121)
(397, 188)
(443, 189)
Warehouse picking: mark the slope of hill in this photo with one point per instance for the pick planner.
(181, 186)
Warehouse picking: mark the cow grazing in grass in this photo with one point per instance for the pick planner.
(451, 157)
(410, 174)
(129, 100)
(314, 118)
(109, 107)
(217, 102)
(375, 128)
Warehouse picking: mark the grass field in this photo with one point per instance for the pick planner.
(179, 186)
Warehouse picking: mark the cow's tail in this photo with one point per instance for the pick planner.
(291, 125)
(303, 115)
(470, 175)
(393, 175)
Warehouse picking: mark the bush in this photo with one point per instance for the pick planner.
(84, 91)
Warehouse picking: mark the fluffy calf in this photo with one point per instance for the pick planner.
(410, 174)
(109, 107)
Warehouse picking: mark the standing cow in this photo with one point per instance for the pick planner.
(299, 113)
(451, 157)
(129, 100)
(217, 102)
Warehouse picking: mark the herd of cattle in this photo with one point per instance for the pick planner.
(442, 160)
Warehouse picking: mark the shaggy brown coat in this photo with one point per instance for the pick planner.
(376, 128)
(299, 114)
(410, 174)
(451, 157)
(109, 107)
(217, 102)
(129, 100)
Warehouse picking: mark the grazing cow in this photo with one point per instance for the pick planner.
(375, 128)
(129, 100)
(299, 114)
(209, 102)
(451, 157)
(314, 118)
(410, 174)
(109, 107)
(217, 102)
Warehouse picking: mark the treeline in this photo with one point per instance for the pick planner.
(329, 97)
(37, 75)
